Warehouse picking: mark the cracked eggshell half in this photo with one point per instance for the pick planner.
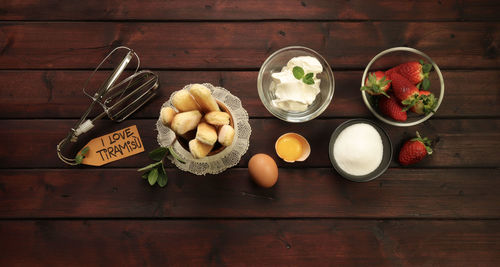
(292, 147)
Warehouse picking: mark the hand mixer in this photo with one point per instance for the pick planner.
(119, 100)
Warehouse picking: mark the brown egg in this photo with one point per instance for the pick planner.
(263, 170)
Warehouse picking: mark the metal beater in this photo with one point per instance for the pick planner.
(119, 100)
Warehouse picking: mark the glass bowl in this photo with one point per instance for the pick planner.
(274, 63)
(390, 58)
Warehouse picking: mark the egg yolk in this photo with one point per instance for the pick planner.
(289, 148)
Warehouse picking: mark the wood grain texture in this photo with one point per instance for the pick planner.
(258, 242)
(442, 211)
(244, 45)
(250, 10)
(458, 143)
(57, 94)
(314, 192)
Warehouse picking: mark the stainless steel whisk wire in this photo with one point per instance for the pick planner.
(143, 83)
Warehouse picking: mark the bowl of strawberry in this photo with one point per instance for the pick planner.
(402, 86)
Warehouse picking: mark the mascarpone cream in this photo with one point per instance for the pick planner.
(291, 93)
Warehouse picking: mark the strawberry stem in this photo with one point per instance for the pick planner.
(425, 141)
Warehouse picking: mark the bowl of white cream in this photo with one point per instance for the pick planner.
(295, 84)
(360, 150)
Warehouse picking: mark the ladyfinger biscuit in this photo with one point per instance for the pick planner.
(198, 149)
(206, 133)
(204, 98)
(183, 101)
(167, 114)
(185, 121)
(217, 118)
(226, 135)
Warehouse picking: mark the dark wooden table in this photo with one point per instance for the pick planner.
(442, 211)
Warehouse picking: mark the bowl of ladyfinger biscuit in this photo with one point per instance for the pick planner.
(206, 126)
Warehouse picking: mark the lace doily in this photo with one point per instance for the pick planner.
(223, 160)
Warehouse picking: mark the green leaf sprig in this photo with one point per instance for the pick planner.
(299, 74)
(80, 156)
(155, 172)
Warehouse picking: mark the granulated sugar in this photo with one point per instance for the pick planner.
(358, 149)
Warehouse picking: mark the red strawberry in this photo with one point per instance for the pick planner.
(403, 89)
(377, 84)
(425, 103)
(414, 150)
(391, 107)
(390, 71)
(415, 72)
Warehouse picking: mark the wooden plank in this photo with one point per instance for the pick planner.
(241, 45)
(458, 143)
(57, 94)
(250, 10)
(407, 193)
(256, 243)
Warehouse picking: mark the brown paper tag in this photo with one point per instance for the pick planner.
(114, 146)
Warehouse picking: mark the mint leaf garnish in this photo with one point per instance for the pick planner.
(149, 167)
(308, 79)
(162, 177)
(79, 158)
(298, 72)
(158, 153)
(155, 172)
(172, 152)
(153, 176)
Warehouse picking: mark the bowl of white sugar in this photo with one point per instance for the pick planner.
(360, 150)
